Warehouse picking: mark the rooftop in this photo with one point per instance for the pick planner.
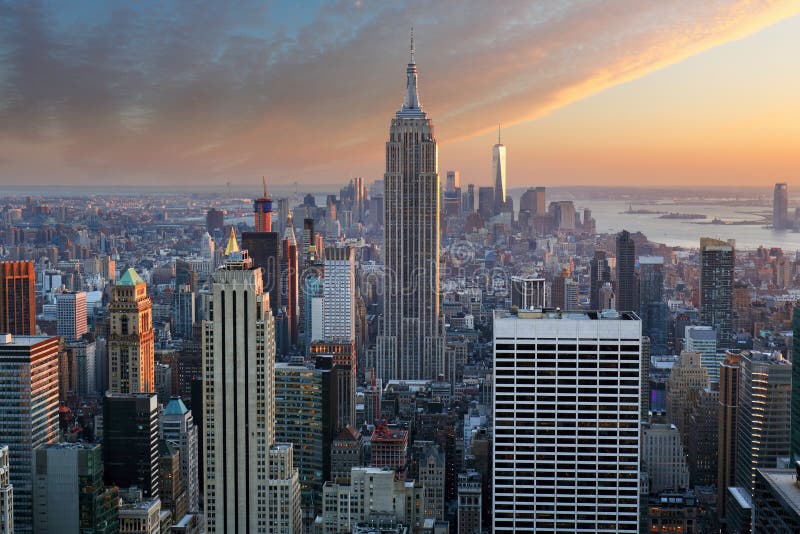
(22, 341)
(555, 313)
(175, 407)
(784, 483)
(130, 278)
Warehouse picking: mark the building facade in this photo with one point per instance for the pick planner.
(17, 298)
(71, 309)
(130, 441)
(28, 412)
(537, 406)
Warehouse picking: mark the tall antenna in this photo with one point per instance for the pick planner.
(411, 49)
(498, 134)
(264, 184)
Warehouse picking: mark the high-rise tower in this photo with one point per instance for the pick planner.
(17, 303)
(412, 344)
(716, 288)
(262, 210)
(28, 412)
(626, 273)
(780, 207)
(499, 174)
(131, 338)
(239, 401)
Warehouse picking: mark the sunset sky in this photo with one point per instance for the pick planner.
(643, 93)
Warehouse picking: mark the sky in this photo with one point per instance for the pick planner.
(588, 92)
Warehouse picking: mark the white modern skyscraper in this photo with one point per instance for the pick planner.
(71, 308)
(339, 313)
(412, 344)
(238, 381)
(176, 424)
(566, 421)
(28, 411)
(499, 174)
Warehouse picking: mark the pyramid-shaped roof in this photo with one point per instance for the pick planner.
(130, 278)
(175, 407)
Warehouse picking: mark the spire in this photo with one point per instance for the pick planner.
(411, 56)
(233, 245)
(411, 106)
(264, 184)
(498, 134)
(289, 232)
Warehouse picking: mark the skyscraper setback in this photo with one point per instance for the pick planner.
(412, 344)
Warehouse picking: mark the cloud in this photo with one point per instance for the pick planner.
(203, 91)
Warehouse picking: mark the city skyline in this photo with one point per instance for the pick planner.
(575, 92)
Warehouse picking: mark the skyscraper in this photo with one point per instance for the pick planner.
(763, 415)
(412, 344)
(626, 273)
(339, 315)
(130, 441)
(795, 427)
(653, 311)
(71, 308)
(264, 249)
(533, 200)
(262, 211)
(728, 407)
(176, 425)
(780, 207)
(703, 339)
(239, 401)
(499, 174)
(566, 421)
(28, 412)
(600, 274)
(716, 288)
(486, 203)
(290, 278)
(17, 299)
(131, 337)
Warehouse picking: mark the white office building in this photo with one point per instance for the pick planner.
(566, 421)
(239, 407)
(339, 314)
(71, 308)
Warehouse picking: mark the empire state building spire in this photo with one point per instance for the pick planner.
(411, 106)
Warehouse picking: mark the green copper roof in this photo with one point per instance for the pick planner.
(175, 407)
(130, 278)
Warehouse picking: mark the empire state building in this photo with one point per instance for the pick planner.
(412, 344)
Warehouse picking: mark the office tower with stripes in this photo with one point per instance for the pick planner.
(17, 298)
(566, 421)
(411, 346)
(28, 412)
(239, 404)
